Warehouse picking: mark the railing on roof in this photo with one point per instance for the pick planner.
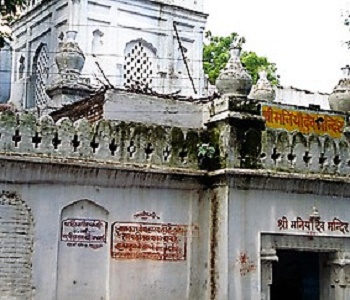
(271, 137)
(103, 141)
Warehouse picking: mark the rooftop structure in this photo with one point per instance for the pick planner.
(149, 44)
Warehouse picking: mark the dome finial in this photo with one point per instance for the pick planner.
(339, 100)
(69, 87)
(263, 89)
(234, 79)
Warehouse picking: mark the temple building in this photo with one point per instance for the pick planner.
(134, 42)
(122, 179)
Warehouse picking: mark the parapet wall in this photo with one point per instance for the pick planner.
(305, 141)
(105, 141)
(270, 137)
(308, 154)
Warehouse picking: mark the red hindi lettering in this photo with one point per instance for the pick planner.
(268, 114)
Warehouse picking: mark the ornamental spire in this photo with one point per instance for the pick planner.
(340, 98)
(234, 79)
(263, 89)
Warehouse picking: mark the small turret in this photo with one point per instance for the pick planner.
(234, 79)
(263, 89)
(340, 98)
(68, 88)
(70, 59)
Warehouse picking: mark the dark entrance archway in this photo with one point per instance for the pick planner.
(296, 276)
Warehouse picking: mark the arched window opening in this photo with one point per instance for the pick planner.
(39, 78)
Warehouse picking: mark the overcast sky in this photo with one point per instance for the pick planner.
(303, 37)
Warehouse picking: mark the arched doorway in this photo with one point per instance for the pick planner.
(301, 267)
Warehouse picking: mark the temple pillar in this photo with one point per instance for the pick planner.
(340, 275)
(268, 255)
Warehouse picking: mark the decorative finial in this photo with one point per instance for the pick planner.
(70, 59)
(346, 72)
(263, 76)
(68, 87)
(237, 42)
(315, 215)
(263, 89)
(234, 79)
(339, 100)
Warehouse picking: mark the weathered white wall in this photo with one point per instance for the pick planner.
(294, 96)
(122, 22)
(63, 272)
(123, 106)
(219, 235)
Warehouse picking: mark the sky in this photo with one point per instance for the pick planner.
(305, 38)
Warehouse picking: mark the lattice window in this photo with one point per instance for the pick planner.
(41, 72)
(139, 66)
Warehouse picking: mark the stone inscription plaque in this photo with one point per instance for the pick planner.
(83, 231)
(156, 241)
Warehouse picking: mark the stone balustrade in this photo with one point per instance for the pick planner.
(292, 139)
(305, 140)
(247, 147)
(305, 153)
(105, 141)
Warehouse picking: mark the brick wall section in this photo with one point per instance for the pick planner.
(90, 108)
(16, 248)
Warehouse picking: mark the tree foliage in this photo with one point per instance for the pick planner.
(216, 53)
(254, 64)
(8, 11)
